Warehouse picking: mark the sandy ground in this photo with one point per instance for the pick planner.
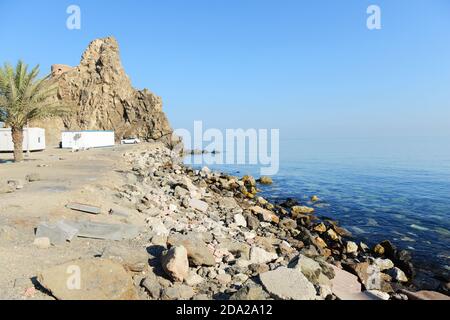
(87, 177)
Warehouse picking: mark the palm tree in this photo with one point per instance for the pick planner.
(23, 98)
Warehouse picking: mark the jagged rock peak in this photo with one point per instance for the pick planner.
(103, 98)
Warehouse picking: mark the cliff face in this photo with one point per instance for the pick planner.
(102, 98)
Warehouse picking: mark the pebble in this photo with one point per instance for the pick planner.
(42, 243)
(175, 263)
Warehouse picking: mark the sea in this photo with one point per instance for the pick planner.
(394, 189)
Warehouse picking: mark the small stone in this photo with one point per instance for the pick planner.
(42, 243)
(198, 205)
(227, 203)
(378, 249)
(265, 215)
(321, 228)
(333, 235)
(33, 177)
(310, 268)
(240, 278)
(15, 184)
(351, 247)
(152, 286)
(175, 263)
(383, 264)
(364, 247)
(193, 279)
(265, 180)
(259, 268)
(315, 198)
(178, 292)
(159, 240)
(223, 278)
(299, 210)
(252, 222)
(320, 242)
(198, 252)
(398, 275)
(288, 224)
(240, 221)
(258, 255)
(249, 293)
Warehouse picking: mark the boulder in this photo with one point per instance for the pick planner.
(259, 255)
(175, 263)
(264, 214)
(383, 264)
(178, 292)
(89, 279)
(240, 220)
(288, 284)
(398, 275)
(345, 285)
(197, 251)
(351, 247)
(265, 180)
(250, 292)
(299, 210)
(133, 259)
(310, 268)
(42, 243)
(199, 205)
(288, 224)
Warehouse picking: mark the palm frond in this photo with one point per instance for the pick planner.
(24, 97)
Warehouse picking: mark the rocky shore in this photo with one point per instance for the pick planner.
(210, 236)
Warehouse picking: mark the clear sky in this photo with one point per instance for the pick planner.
(309, 68)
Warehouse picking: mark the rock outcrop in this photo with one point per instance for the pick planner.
(102, 98)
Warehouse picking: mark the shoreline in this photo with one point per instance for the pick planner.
(202, 235)
(326, 240)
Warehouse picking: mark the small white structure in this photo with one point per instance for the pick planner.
(33, 139)
(87, 139)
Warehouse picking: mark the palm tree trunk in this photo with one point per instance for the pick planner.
(17, 137)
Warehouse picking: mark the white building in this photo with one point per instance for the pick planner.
(32, 137)
(87, 139)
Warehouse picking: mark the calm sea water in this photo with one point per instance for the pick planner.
(396, 189)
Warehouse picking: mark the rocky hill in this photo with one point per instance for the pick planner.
(102, 98)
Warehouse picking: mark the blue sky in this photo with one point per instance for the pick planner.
(309, 68)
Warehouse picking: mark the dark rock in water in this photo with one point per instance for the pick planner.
(288, 224)
(289, 203)
(390, 250)
(265, 180)
(401, 259)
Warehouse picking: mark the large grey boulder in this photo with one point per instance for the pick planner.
(89, 279)
(288, 284)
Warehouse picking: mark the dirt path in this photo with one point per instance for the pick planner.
(86, 177)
